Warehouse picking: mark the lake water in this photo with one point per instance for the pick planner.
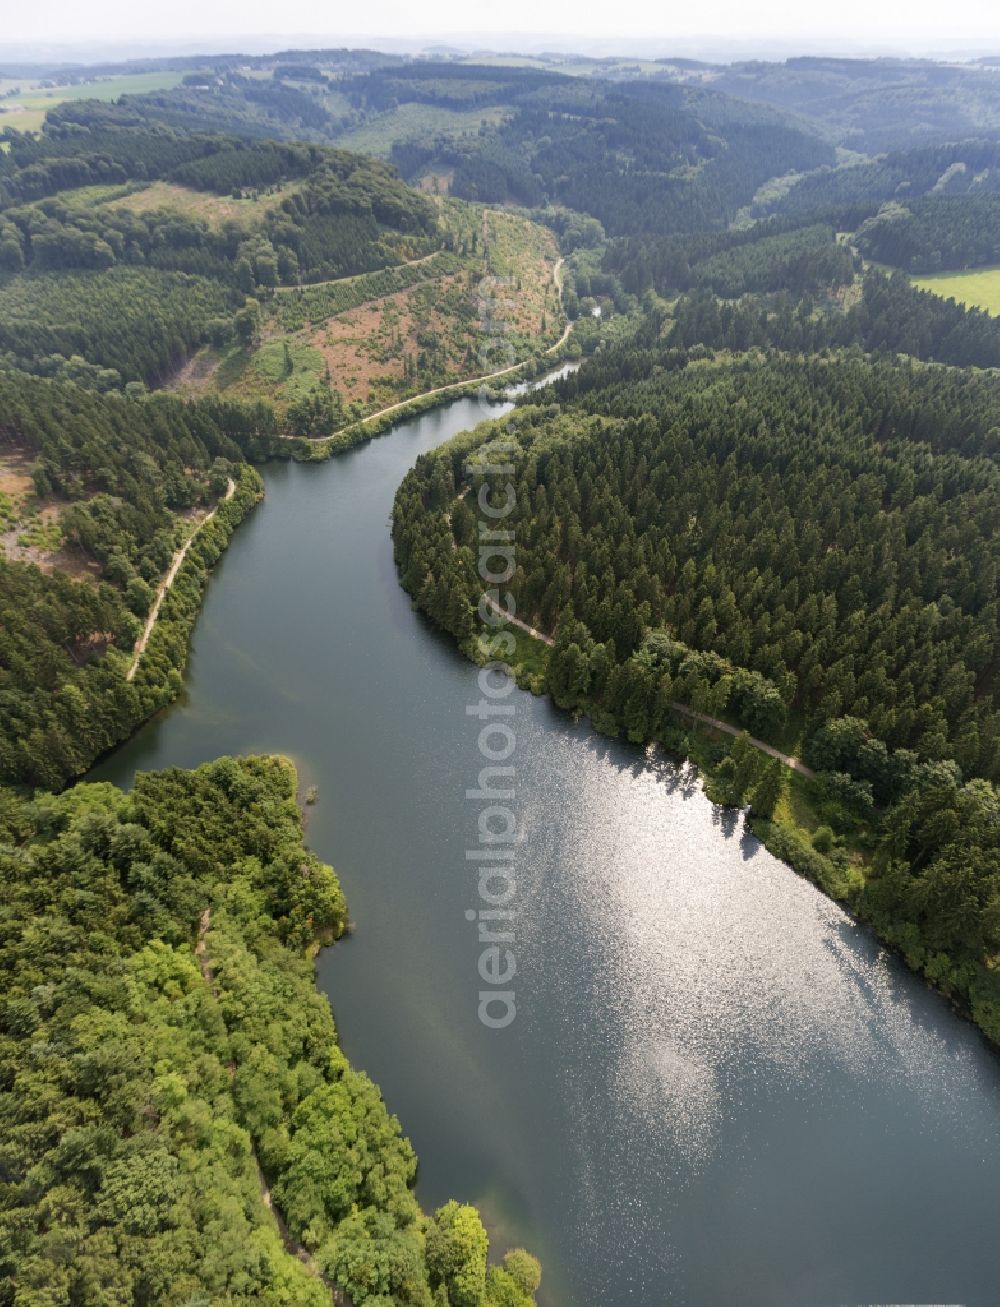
(717, 1089)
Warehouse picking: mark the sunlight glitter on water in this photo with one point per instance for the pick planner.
(712, 971)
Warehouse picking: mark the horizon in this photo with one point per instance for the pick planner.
(717, 50)
(112, 30)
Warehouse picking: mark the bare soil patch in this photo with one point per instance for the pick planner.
(369, 344)
(15, 474)
(196, 375)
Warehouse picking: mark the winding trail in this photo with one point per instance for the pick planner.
(452, 385)
(335, 281)
(168, 580)
(703, 718)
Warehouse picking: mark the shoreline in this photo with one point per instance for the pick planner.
(353, 434)
(767, 831)
(843, 870)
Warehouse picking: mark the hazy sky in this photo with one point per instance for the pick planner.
(907, 23)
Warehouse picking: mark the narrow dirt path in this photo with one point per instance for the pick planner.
(703, 718)
(516, 621)
(168, 580)
(726, 729)
(333, 281)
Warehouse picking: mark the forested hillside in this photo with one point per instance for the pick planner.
(773, 255)
(805, 548)
(127, 244)
(855, 191)
(874, 105)
(168, 1065)
(344, 214)
(128, 324)
(329, 353)
(935, 233)
(644, 156)
(806, 521)
(115, 486)
(132, 291)
(890, 317)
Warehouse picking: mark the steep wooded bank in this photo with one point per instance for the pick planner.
(805, 548)
(107, 489)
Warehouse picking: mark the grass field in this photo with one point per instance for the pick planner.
(35, 103)
(413, 121)
(214, 209)
(977, 289)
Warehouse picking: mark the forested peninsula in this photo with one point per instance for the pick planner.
(178, 1122)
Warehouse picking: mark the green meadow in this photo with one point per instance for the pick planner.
(36, 101)
(978, 289)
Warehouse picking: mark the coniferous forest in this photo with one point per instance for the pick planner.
(802, 547)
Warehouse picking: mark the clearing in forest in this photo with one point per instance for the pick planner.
(215, 210)
(979, 289)
(353, 346)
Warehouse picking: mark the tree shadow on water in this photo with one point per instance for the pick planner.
(726, 819)
(750, 845)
